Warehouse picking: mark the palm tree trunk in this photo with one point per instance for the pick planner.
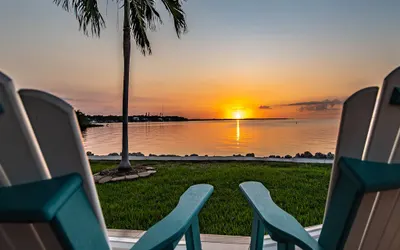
(124, 165)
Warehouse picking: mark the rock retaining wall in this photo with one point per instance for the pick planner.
(210, 158)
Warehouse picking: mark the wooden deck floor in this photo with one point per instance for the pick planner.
(125, 239)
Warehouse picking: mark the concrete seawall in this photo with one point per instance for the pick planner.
(209, 158)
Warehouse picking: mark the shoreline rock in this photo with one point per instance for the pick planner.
(113, 175)
(306, 154)
(136, 154)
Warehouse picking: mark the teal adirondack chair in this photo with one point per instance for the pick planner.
(48, 199)
(363, 205)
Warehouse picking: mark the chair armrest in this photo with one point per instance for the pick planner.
(167, 232)
(371, 176)
(281, 226)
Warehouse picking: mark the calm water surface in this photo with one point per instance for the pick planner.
(217, 137)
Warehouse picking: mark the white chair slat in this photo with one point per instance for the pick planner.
(395, 244)
(47, 236)
(386, 220)
(382, 212)
(4, 181)
(356, 232)
(387, 120)
(23, 236)
(353, 130)
(5, 241)
(373, 216)
(59, 136)
(392, 228)
(21, 160)
(20, 156)
(393, 222)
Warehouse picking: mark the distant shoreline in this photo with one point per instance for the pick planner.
(243, 119)
(101, 123)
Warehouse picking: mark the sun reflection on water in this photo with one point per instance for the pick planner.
(237, 130)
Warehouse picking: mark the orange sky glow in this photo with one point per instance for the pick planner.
(265, 60)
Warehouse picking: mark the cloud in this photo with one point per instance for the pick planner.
(318, 106)
(327, 101)
(264, 107)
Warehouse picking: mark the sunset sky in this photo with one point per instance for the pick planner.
(259, 58)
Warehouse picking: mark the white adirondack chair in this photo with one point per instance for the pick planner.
(40, 140)
(369, 131)
(24, 125)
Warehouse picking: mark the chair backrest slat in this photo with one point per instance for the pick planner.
(392, 231)
(382, 148)
(353, 130)
(57, 131)
(21, 160)
(355, 123)
(48, 237)
(5, 240)
(395, 243)
(387, 235)
(374, 139)
(23, 236)
(345, 201)
(19, 149)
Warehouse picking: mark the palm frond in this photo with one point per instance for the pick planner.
(152, 15)
(174, 7)
(139, 25)
(86, 12)
(144, 16)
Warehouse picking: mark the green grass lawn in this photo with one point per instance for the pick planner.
(300, 189)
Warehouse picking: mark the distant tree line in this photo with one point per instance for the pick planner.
(105, 118)
(156, 118)
(86, 121)
(82, 118)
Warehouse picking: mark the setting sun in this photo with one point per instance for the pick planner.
(238, 115)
